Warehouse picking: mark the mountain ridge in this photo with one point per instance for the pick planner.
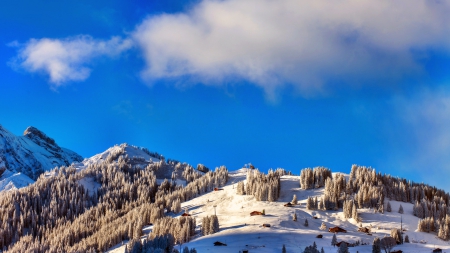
(29, 155)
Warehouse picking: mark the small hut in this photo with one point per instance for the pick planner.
(397, 251)
(341, 242)
(217, 243)
(288, 204)
(265, 225)
(256, 213)
(319, 236)
(364, 230)
(185, 214)
(337, 230)
(438, 250)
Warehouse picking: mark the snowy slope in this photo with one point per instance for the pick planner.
(138, 156)
(26, 157)
(240, 231)
(13, 180)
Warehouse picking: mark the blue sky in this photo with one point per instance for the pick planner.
(289, 84)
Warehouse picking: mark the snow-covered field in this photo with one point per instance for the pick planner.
(240, 231)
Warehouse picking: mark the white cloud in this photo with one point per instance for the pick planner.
(66, 59)
(302, 43)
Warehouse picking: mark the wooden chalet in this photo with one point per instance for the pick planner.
(185, 214)
(364, 230)
(438, 250)
(265, 225)
(337, 230)
(255, 213)
(288, 204)
(217, 243)
(341, 242)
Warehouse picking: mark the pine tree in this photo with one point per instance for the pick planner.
(376, 247)
(294, 217)
(283, 250)
(400, 209)
(406, 239)
(322, 251)
(334, 240)
(323, 226)
(294, 200)
(388, 207)
(343, 248)
(306, 222)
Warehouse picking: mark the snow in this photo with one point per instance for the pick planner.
(90, 184)
(131, 151)
(13, 180)
(241, 231)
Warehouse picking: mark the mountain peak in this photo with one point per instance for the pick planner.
(36, 134)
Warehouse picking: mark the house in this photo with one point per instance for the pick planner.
(339, 244)
(288, 204)
(217, 243)
(266, 225)
(438, 250)
(185, 214)
(364, 230)
(319, 236)
(337, 230)
(255, 213)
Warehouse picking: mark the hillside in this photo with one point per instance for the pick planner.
(240, 231)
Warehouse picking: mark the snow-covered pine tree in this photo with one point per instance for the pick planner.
(205, 225)
(323, 226)
(240, 190)
(294, 217)
(406, 239)
(400, 209)
(388, 207)
(343, 248)
(283, 250)
(376, 246)
(397, 235)
(294, 200)
(214, 224)
(306, 222)
(334, 240)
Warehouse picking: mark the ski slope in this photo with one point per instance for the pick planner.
(240, 231)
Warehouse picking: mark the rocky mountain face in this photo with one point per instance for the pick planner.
(31, 154)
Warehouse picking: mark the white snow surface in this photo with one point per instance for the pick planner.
(240, 231)
(124, 149)
(14, 180)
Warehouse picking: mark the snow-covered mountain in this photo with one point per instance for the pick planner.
(24, 158)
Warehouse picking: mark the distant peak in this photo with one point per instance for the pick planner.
(33, 133)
